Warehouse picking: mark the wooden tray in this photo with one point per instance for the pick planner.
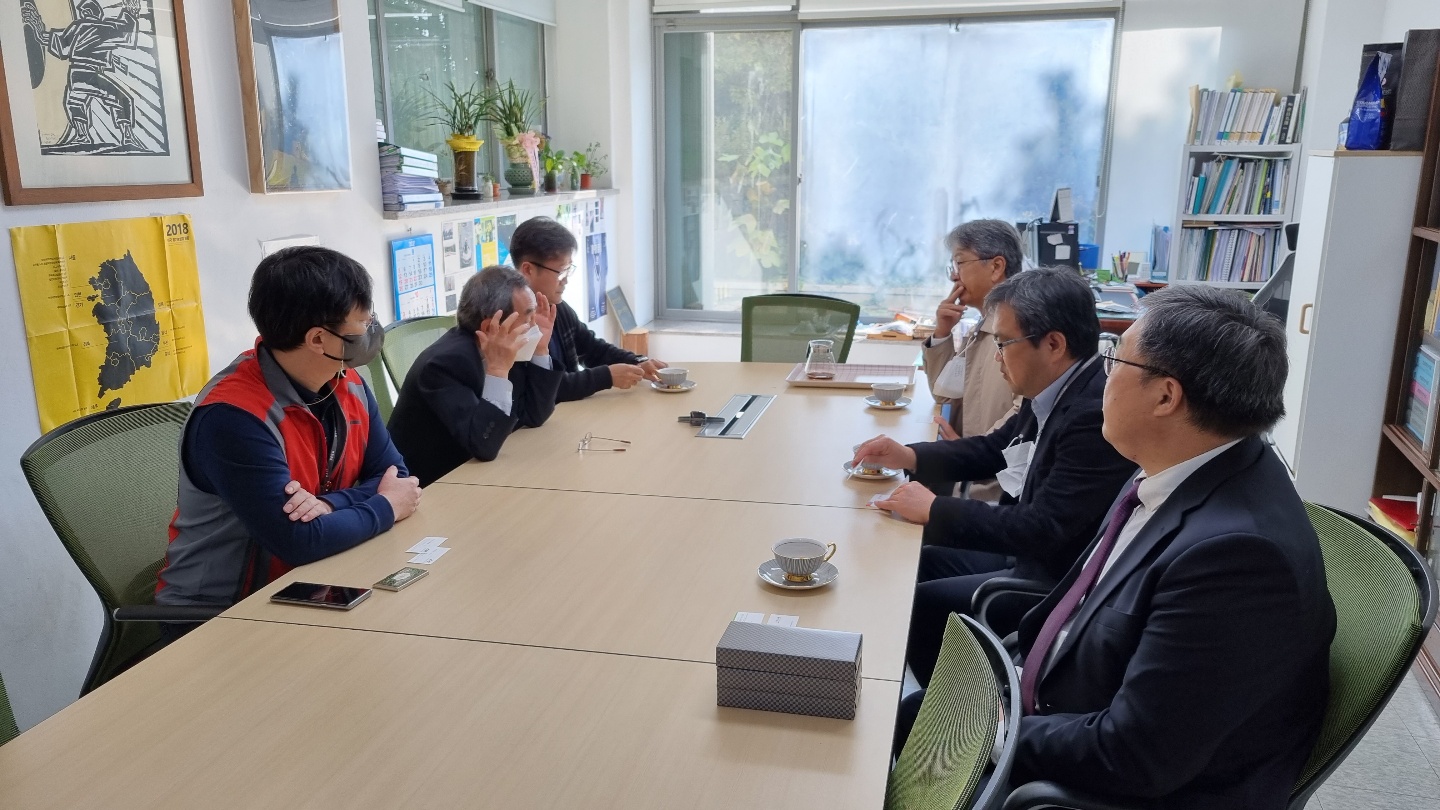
(854, 375)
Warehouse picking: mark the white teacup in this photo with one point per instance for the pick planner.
(672, 377)
(800, 557)
(868, 467)
(887, 393)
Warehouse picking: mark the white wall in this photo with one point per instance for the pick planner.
(600, 92)
(1402, 15)
(1166, 46)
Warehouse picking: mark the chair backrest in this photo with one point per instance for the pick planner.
(1384, 598)
(8, 729)
(107, 484)
(374, 375)
(778, 328)
(950, 744)
(405, 340)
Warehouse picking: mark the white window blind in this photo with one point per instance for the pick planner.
(662, 6)
(860, 9)
(541, 11)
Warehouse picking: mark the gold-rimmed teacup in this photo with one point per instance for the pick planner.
(801, 557)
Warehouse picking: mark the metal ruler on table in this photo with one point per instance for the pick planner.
(740, 414)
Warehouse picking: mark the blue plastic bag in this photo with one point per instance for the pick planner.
(1367, 125)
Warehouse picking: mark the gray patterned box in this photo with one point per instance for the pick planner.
(789, 669)
(750, 680)
(831, 654)
(789, 704)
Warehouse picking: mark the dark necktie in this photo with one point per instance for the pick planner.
(1035, 660)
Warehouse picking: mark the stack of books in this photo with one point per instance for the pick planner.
(1396, 513)
(1244, 254)
(407, 179)
(1238, 185)
(1239, 116)
(1421, 413)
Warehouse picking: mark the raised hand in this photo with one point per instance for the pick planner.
(948, 314)
(545, 319)
(499, 342)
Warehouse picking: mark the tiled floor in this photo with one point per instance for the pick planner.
(1396, 766)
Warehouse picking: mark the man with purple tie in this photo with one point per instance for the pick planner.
(1183, 662)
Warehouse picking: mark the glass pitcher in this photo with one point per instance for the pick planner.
(820, 362)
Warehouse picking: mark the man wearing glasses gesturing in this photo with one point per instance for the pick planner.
(543, 251)
(1058, 472)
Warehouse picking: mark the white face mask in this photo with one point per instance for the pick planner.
(1017, 466)
(532, 342)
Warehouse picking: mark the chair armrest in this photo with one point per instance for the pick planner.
(179, 614)
(1028, 591)
(1036, 795)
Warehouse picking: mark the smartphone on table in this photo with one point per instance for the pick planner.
(335, 597)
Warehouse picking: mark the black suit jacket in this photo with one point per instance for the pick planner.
(1074, 475)
(1196, 673)
(441, 420)
(573, 344)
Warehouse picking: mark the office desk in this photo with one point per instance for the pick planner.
(244, 714)
(793, 454)
(617, 573)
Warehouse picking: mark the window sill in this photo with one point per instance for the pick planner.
(507, 203)
(669, 326)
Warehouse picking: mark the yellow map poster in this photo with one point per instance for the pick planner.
(112, 314)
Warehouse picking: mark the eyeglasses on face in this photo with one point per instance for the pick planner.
(561, 274)
(1001, 344)
(1111, 360)
(953, 267)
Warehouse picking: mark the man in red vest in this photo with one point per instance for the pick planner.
(285, 459)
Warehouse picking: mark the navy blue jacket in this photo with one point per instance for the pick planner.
(1196, 673)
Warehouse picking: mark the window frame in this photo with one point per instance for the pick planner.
(662, 24)
(489, 56)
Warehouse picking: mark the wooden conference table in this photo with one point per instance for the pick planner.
(561, 654)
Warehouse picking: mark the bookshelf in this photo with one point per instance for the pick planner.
(1407, 464)
(1278, 168)
(1237, 188)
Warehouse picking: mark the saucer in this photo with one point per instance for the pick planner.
(771, 572)
(890, 406)
(664, 389)
(884, 473)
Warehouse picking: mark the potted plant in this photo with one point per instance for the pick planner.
(554, 163)
(514, 113)
(589, 165)
(462, 113)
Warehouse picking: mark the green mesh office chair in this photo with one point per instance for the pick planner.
(107, 485)
(405, 340)
(778, 328)
(374, 375)
(1384, 598)
(950, 744)
(8, 729)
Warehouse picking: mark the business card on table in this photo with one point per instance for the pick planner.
(428, 557)
(784, 621)
(750, 618)
(425, 545)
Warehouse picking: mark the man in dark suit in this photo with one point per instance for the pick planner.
(1184, 660)
(543, 251)
(1058, 472)
(492, 373)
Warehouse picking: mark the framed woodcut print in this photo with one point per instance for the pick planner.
(95, 102)
(292, 83)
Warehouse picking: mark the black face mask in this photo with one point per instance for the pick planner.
(360, 349)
